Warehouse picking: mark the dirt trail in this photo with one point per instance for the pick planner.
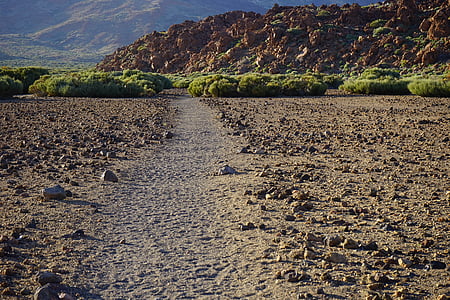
(161, 235)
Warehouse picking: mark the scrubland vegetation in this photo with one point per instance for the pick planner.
(135, 83)
(379, 81)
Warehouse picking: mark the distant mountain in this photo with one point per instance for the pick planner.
(83, 31)
(405, 33)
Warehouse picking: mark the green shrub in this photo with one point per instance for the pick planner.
(376, 87)
(259, 85)
(381, 30)
(214, 86)
(377, 23)
(294, 87)
(86, 84)
(151, 83)
(27, 75)
(379, 73)
(430, 88)
(333, 81)
(316, 88)
(10, 86)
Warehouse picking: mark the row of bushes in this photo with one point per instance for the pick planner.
(255, 85)
(130, 83)
(15, 81)
(379, 81)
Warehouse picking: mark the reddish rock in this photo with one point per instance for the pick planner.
(294, 38)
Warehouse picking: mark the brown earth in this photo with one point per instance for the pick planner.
(336, 197)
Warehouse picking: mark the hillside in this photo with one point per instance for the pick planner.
(406, 33)
(83, 31)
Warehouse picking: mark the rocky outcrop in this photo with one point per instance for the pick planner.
(326, 38)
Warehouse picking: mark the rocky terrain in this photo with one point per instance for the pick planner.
(70, 143)
(354, 192)
(334, 197)
(407, 34)
(64, 33)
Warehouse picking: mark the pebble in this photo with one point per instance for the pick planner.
(333, 240)
(48, 277)
(438, 265)
(289, 218)
(109, 175)
(350, 244)
(309, 254)
(226, 170)
(404, 263)
(336, 258)
(54, 193)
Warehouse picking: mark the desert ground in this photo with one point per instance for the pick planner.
(331, 197)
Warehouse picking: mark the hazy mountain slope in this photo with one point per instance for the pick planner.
(76, 31)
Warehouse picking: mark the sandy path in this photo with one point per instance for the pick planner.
(164, 212)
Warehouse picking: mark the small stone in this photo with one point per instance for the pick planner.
(427, 243)
(326, 276)
(311, 237)
(404, 263)
(108, 175)
(168, 135)
(375, 286)
(336, 258)
(56, 193)
(309, 254)
(225, 170)
(296, 254)
(48, 277)
(78, 234)
(111, 154)
(333, 240)
(8, 292)
(350, 244)
(47, 292)
(371, 246)
(289, 218)
(438, 265)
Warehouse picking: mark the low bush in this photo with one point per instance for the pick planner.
(430, 88)
(259, 85)
(255, 85)
(151, 83)
(129, 83)
(214, 86)
(376, 87)
(86, 84)
(379, 73)
(27, 75)
(10, 86)
(381, 30)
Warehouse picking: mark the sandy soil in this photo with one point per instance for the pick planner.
(336, 197)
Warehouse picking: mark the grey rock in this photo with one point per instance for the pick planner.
(111, 154)
(336, 258)
(350, 244)
(109, 175)
(56, 193)
(46, 292)
(48, 277)
(225, 170)
(333, 240)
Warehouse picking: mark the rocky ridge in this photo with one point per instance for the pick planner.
(329, 38)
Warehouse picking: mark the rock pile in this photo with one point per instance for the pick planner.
(326, 38)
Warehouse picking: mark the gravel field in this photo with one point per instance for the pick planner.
(335, 197)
